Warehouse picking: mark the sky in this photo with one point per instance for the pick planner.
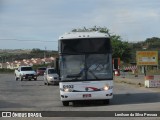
(28, 24)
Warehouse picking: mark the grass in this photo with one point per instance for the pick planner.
(4, 70)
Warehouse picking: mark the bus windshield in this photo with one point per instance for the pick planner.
(86, 67)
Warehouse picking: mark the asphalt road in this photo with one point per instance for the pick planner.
(35, 96)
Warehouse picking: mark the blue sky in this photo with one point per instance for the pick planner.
(28, 24)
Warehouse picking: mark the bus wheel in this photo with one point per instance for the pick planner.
(65, 103)
(106, 102)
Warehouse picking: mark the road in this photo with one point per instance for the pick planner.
(35, 96)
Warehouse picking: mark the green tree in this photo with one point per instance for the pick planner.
(153, 43)
(36, 50)
(120, 49)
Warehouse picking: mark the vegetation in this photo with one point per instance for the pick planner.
(121, 49)
(34, 53)
(5, 70)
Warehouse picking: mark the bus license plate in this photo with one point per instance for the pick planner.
(86, 95)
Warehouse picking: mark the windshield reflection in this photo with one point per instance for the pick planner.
(86, 67)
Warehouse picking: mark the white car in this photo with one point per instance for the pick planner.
(51, 77)
(25, 72)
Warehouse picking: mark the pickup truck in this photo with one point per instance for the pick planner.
(25, 72)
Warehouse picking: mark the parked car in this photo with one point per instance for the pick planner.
(40, 71)
(51, 77)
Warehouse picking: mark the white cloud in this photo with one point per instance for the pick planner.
(132, 22)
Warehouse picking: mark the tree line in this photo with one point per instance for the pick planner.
(34, 53)
(124, 50)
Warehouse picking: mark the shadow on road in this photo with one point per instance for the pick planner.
(135, 98)
(30, 80)
(7, 104)
(122, 99)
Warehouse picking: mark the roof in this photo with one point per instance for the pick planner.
(50, 68)
(25, 66)
(73, 35)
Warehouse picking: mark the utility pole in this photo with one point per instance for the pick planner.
(44, 54)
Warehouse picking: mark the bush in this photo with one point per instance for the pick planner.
(5, 70)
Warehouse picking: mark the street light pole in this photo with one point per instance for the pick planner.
(44, 54)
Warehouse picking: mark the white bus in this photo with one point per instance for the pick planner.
(86, 72)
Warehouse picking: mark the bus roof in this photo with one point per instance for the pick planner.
(73, 35)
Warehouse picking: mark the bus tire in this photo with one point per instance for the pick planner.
(106, 102)
(65, 103)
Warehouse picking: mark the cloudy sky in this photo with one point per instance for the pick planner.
(27, 24)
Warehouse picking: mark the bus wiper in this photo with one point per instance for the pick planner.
(73, 76)
(88, 70)
(93, 74)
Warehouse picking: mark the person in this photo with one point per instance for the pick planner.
(123, 73)
(144, 70)
(136, 73)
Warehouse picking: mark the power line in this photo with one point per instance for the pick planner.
(26, 40)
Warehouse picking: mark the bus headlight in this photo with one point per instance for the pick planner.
(67, 90)
(106, 88)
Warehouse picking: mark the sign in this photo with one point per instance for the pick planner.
(152, 83)
(38, 114)
(147, 57)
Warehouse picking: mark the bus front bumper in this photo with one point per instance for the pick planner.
(100, 95)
